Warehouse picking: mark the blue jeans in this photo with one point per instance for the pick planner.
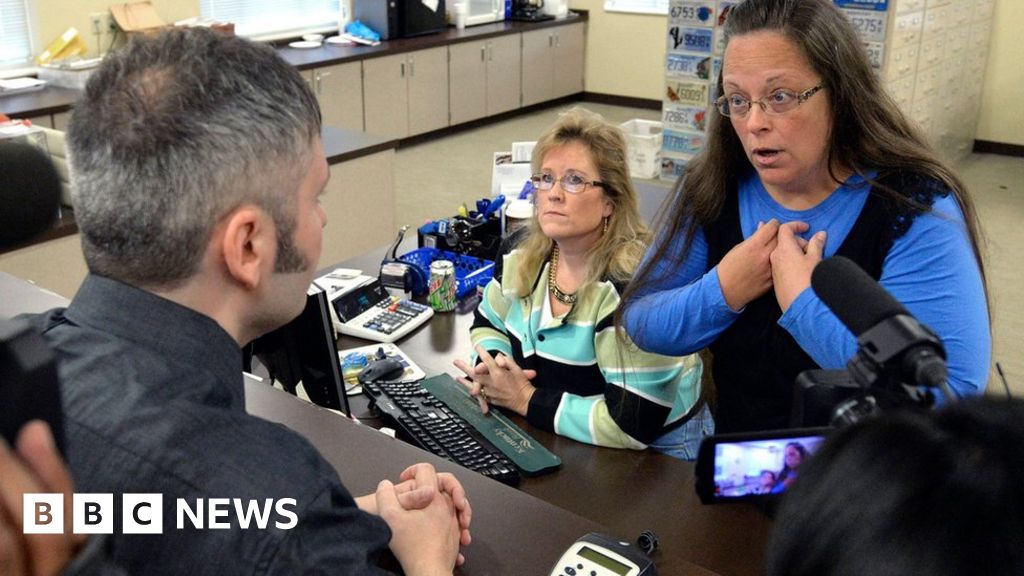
(684, 441)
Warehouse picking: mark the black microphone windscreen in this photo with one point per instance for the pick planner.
(29, 192)
(853, 296)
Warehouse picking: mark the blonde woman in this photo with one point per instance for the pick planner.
(546, 346)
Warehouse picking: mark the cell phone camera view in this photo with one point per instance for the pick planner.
(755, 466)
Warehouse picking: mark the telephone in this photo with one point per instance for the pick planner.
(599, 555)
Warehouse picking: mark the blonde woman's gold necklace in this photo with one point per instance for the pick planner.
(564, 298)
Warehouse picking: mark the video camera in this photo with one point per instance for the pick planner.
(898, 364)
(29, 387)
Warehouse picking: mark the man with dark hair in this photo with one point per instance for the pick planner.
(937, 493)
(197, 166)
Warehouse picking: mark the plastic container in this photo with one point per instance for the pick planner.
(643, 140)
(461, 10)
(470, 272)
(344, 15)
(557, 8)
(517, 214)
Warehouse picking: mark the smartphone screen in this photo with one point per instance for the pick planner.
(761, 465)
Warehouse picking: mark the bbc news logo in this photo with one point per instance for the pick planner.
(143, 514)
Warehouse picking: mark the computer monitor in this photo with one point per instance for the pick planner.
(304, 351)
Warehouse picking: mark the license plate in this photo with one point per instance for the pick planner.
(690, 13)
(686, 93)
(877, 5)
(724, 8)
(682, 142)
(691, 65)
(690, 38)
(684, 118)
(672, 167)
(876, 53)
(869, 25)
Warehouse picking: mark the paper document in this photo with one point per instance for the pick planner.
(522, 151)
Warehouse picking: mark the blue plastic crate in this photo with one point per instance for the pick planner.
(470, 271)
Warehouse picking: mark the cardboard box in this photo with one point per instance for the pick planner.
(225, 28)
(137, 18)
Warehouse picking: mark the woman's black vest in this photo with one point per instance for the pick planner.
(756, 361)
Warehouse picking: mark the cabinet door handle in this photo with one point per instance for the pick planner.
(412, 68)
(403, 69)
(490, 52)
(320, 81)
(483, 53)
(551, 40)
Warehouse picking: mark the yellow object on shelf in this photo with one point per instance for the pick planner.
(69, 44)
(137, 17)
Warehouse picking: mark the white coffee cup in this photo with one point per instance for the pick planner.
(313, 37)
(517, 213)
(461, 10)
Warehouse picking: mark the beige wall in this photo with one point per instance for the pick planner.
(56, 16)
(625, 52)
(1002, 117)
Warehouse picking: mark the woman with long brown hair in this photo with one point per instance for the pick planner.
(806, 157)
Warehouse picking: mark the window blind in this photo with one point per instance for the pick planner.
(264, 18)
(15, 41)
(637, 6)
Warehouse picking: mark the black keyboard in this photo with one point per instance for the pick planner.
(420, 416)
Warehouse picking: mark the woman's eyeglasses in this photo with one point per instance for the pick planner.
(571, 183)
(778, 102)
